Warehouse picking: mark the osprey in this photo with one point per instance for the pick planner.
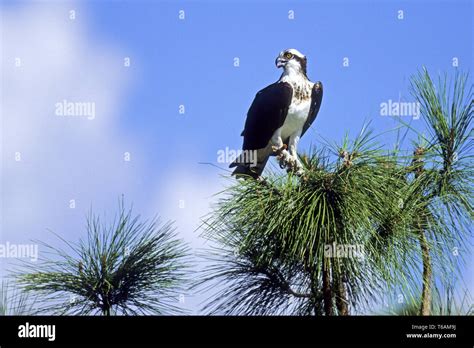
(278, 117)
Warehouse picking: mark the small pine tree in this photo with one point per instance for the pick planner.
(129, 267)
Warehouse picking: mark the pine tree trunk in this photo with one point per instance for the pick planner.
(427, 275)
(314, 292)
(425, 249)
(327, 294)
(106, 306)
(341, 297)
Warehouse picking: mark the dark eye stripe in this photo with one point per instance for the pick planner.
(302, 62)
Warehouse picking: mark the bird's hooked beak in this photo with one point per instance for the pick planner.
(280, 62)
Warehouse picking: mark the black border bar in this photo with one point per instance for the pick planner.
(224, 331)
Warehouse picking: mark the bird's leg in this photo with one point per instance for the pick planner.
(280, 150)
(282, 155)
(294, 163)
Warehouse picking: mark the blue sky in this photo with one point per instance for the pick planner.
(188, 62)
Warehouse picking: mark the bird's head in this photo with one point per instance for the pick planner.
(291, 59)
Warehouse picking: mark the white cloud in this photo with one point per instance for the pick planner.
(62, 158)
(186, 198)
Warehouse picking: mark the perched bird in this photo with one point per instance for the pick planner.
(278, 117)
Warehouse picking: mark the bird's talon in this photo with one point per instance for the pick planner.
(279, 150)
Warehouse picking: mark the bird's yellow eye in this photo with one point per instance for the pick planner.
(288, 55)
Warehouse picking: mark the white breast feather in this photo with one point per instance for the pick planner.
(297, 115)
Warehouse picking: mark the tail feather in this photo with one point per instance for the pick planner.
(246, 171)
(251, 166)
